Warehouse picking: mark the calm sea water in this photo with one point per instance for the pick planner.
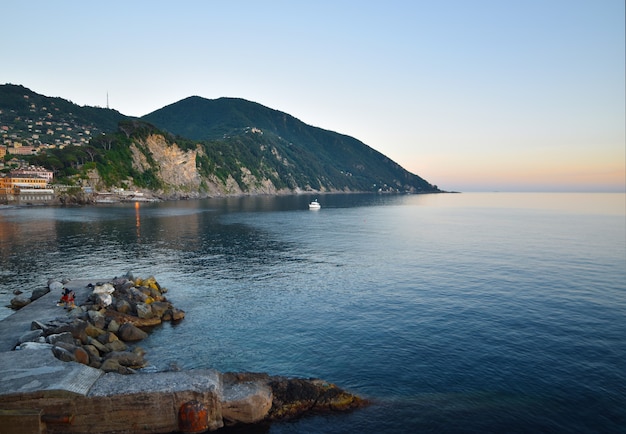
(475, 312)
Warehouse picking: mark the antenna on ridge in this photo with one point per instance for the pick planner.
(107, 99)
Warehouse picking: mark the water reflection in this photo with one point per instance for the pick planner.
(137, 220)
(163, 238)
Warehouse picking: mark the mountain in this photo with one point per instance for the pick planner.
(318, 158)
(193, 148)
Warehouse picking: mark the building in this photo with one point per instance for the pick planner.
(36, 171)
(25, 189)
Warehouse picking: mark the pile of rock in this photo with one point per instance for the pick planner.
(101, 330)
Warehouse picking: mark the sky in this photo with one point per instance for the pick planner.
(472, 95)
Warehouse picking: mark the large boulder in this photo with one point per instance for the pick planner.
(116, 345)
(19, 301)
(123, 306)
(38, 293)
(93, 331)
(102, 349)
(113, 365)
(160, 307)
(60, 337)
(97, 318)
(144, 311)
(127, 358)
(78, 329)
(295, 396)
(246, 402)
(31, 336)
(244, 397)
(55, 286)
(63, 354)
(129, 333)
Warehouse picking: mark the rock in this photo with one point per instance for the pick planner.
(38, 293)
(160, 307)
(31, 336)
(100, 347)
(63, 354)
(59, 326)
(115, 345)
(93, 331)
(102, 300)
(113, 326)
(107, 338)
(138, 295)
(29, 346)
(122, 318)
(127, 358)
(35, 325)
(55, 286)
(151, 282)
(112, 365)
(60, 337)
(123, 306)
(294, 396)
(97, 318)
(93, 352)
(246, 402)
(81, 356)
(19, 301)
(105, 288)
(77, 312)
(177, 314)
(130, 333)
(144, 311)
(139, 351)
(78, 329)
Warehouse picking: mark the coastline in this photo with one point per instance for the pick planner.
(107, 198)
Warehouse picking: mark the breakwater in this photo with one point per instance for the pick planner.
(79, 370)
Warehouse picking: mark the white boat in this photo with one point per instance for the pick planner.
(315, 205)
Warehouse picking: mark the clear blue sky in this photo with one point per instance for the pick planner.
(470, 94)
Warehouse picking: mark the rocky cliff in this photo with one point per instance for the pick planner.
(175, 168)
(178, 175)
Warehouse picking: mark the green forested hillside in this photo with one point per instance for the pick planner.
(320, 157)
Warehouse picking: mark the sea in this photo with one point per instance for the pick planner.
(451, 313)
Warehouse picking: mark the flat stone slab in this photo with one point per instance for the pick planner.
(29, 371)
(201, 380)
